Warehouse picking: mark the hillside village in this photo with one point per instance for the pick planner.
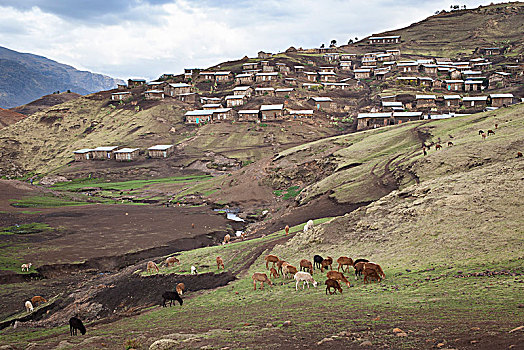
(367, 85)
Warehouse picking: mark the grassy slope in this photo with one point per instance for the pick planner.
(453, 33)
(463, 218)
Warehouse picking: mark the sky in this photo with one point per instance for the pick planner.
(146, 38)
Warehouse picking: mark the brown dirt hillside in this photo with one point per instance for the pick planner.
(45, 102)
(8, 117)
(451, 33)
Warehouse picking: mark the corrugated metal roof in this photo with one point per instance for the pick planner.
(248, 111)
(199, 112)
(373, 115)
(407, 114)
(425, 97)
(83, 150)
(127, 150)
(160, 147)
(271, 107)
(451, 97)
(474, 98)
(501, 95)
(321, 99)
(105, 148)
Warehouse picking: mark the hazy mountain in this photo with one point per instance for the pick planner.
(25, 77)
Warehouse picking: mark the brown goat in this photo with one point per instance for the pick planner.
(325, 263)
(180, 288)
(450, 143)
(376, 267)
(339, 276)
(306, 265)
(287, 229)
(273, 273)
(437, 146)
(332, 284)
(37, 299)
(491, 132)
(220, 262)
(371, 274)
(227, 238)
(344, 261)
(171, 261)
(279, 265)
(496, 126)
(483, 135)
(271, 258)
(519, 154)
(260, 277)
(151, 266)
(288, 269)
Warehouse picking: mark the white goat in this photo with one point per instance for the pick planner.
(308, 226)
(193, 270)
(26, 266)
(305, 277)
(28, 306)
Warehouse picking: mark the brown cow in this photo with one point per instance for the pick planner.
(437, 146)
(260, 277)
(306, 265)
(332, 284)
(180, 288)
(220, 262)
(519, 154)
(171, 261)
(151, 266)
(271, 258)
(344, 261)
(37, 299)
(491, 132)
(450, 143)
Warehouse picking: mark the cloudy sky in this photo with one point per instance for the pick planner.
(145, 38)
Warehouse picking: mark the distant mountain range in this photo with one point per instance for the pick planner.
(25, 77)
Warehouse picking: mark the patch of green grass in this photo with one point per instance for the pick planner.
(24, 229)
(290, 193)
(124, 185)
(44, 202)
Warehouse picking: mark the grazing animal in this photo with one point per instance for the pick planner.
(519, 154)
(491, 132)
(151, 266)
(28, 306)
(305, 277)
(38, 299)
(371, 274)
(279, 265)
(26, 266)
(260, 277)
(450, 143)
(437, 146)
(306, 265)
(376, 267)
(171, 261)
(273, 273)
(220, 262)
(339, 276)
(242, 236)
(76, 324)
(328, 261)
(358, 265)
(496, 126)
(344, 261)
(271, 258)
(227, 238)
(332, 284)
(483, 136)
(287, 229)
(424, 151)
(193, 270)
(192, 225)
(308, 226)
(288, 269)
(171, 296)
(481, 132)
(180, 288)
(317, 259)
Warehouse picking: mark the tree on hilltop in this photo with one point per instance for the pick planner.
(333, 43)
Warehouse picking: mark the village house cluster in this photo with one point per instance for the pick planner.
(272, 87)
(121, 154)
